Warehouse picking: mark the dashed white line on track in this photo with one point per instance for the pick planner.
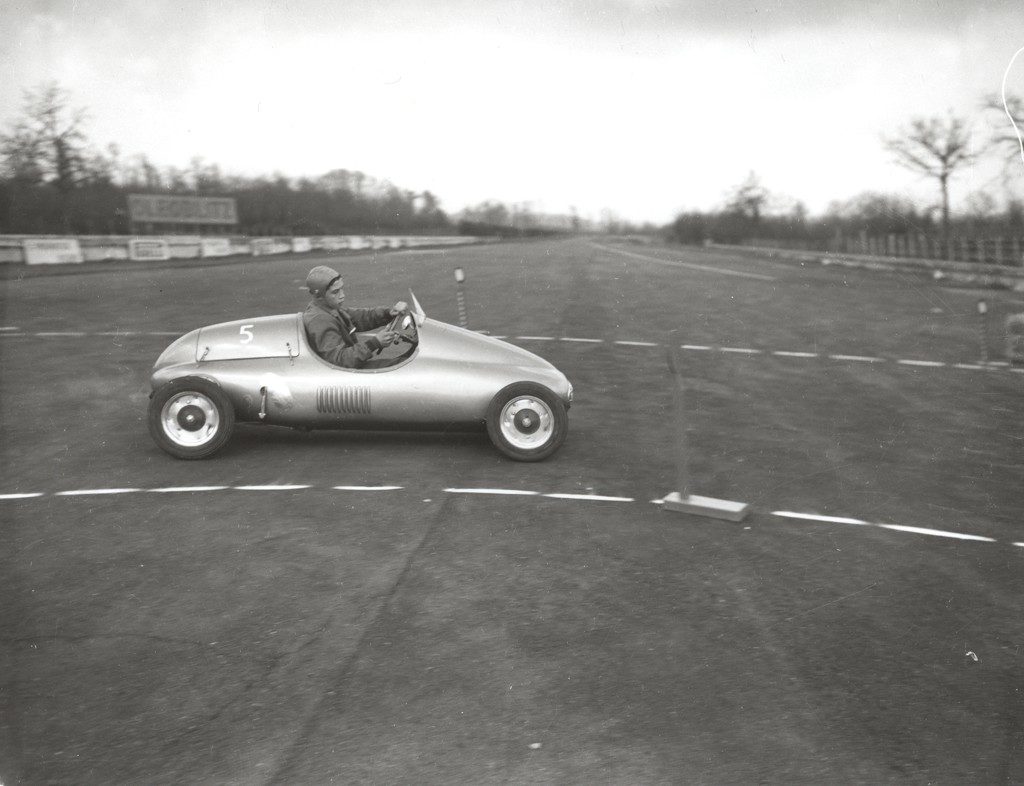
(698, 347)
(936, 532)
(788, 514)
(941, 533)
(515, 493)
(638, 344)
(9, 328)
(86, 492)
(584, 340)
(858, 358)
(61, 334)
(535, 338)
(785, 354)
(509, 492)
(175, 489)
(741, 350)
(926, 363)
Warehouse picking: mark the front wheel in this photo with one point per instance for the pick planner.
(190, 418)
(526, 421)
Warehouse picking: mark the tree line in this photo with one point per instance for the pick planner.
(937, 148)
(54, 180)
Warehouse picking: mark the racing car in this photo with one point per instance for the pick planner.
(435, 375)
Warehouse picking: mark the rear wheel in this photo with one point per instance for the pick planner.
(526, 421)
(191, 418)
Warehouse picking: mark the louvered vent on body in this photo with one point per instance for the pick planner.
(343, 401)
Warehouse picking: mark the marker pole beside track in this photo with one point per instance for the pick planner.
(460, 277)
(681, 500)
(983, 329)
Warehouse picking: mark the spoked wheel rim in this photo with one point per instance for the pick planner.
(527, 422)
(190, 419)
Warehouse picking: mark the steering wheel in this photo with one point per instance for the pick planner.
(404, 326)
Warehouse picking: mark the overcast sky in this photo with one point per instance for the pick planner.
(644, 107)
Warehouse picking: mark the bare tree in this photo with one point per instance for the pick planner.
(1007, 130)
(749, 198)
(937, 148)
(47, 144)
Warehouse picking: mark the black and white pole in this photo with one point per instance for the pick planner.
(983, 329)
(460, 278)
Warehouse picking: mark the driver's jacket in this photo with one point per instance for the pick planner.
(332, 333)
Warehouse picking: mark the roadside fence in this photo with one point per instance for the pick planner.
(57, 249)
(1008, 251)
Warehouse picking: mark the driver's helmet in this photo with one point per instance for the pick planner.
(320, 278)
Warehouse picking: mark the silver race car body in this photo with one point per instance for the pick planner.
(437, 374)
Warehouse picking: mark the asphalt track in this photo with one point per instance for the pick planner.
(410, 608)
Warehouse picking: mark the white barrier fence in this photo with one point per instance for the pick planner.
(42, 250)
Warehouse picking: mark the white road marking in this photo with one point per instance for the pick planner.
(515, 492)
(857, 358)
(171, 489)
(678, 263)
(937, 532)
(511, 492)
(9, 332)
(815, 517)
(83, 492)
(594, 497)
(1021, 545)
(896, 527)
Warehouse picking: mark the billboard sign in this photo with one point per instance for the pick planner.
(52, 251)
(148, 249)
(157, 209)
(216, 247)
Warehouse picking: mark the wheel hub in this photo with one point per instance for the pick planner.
(191, 418)
(527, 421)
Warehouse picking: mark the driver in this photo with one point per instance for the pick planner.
(331, 329)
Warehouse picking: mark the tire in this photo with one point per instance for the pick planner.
(191, 418)
(526, 421)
